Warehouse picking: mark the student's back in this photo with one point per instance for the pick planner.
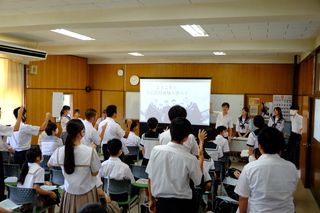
(214, 150)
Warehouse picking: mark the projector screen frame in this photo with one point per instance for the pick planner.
(314, 105)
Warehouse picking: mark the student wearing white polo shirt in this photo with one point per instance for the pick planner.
(191, 144)
(51, 142)
(224, 119)
(268, 184)
(170, 169)
(32, 176)
(252, 141)
(295, 136)
(6, 131)
(132, 139)
(91, 135)
(80, 164)
(113, 130)
(220, 140)
(21, 140)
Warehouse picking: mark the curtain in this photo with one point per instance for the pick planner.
(11, 89)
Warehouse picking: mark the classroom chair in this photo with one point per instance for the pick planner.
(134, 150)
(11, 170)
(34, 146)
(139, 171)
(212, 188)
(56, 177)
(6, 157)
(23, 196)
(112, 186)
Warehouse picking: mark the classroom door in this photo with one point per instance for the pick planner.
(304, 163)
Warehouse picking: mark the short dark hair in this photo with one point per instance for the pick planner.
(114, 146)
(258, 121)
(225, 104)
(152, 123)
(177, 111)
(211, 134)
(294, 107)
(133, 125)
(271, 140)
(15, 112)
(111, 109)
(76, 110)
(179, 129)
(50, 127)
(90, 113)
(104, 111)
(92, 207)
(221, 129)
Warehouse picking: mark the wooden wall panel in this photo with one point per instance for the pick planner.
(114, 98)
(67, 72)
(94, 101)
(105, 77)
(305, 78)
(39, 101)
(226, 78)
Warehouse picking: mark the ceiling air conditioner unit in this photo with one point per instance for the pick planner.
(21, 53)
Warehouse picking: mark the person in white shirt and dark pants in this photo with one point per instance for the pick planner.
(295, 136)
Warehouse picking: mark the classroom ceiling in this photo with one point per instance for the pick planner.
(270, 31)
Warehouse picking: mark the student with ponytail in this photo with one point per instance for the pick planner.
(32, 176)
(64, 120)
(79, 164)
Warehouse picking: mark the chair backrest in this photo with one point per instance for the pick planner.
(34, 146)
(117, 186)
(139, 171)
(11, 170)
(44, 162)
(23, 196)
(133, 150)
(56, 177)
(5, 156)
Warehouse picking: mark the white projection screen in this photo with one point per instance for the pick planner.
(158, 95)
(316, 124)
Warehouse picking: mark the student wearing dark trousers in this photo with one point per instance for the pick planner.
(171, 168)
(295, 136)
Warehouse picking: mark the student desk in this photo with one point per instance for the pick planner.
(238, 144)
(141, 183)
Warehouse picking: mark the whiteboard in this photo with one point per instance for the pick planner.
(132, 105)
(236, 104)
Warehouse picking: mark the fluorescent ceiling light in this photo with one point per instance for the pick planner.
(72, 34)
(136, 54)
(219, 53)
(195, 30)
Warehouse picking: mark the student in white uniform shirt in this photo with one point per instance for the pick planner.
(44, 134)
(267, 184)
(173, 164)
(51, 142)
(116, 169)
(32, 176)
(113, 130)
(220, 140)
(243, 124)
(132, 139)
(191, 144)
(224, 119)
(277, 121)
(252, 141)
(104, 116)
(295, 136)
(149, 140)
(21, 140)
(92, 136)
(64, 115)
(80, 164)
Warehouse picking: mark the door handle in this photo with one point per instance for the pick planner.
(305, 144)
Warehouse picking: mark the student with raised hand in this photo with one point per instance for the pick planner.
(8, 130)
(64, 118)
(252, 142)
(92, 136)
(267, 184)
(21, 140)
(170, 169)
(277, 121)
(165, 137)
(32, 176)
(113, 130)
(243, 125)
(51, 142)
(80, 164)
(223, 119)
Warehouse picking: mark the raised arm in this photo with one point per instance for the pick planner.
(129, 122)
(45, 123)
(202, 134)
(19, 119)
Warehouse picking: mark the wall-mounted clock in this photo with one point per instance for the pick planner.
(134, 80)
